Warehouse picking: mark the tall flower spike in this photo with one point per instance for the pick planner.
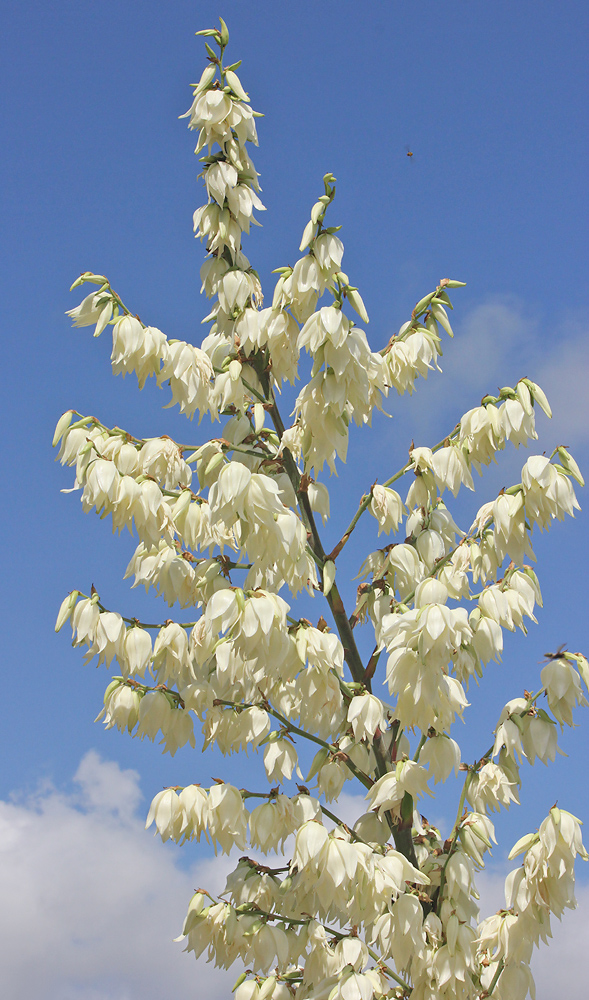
(386, 904)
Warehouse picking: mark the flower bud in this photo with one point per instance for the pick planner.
(328, 576)
(355, 299)
(308, 234)
(205, 80)
(235, 84)
(66, 609)
(246, 990)
(62, 426)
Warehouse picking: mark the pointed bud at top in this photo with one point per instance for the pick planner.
(539, 396)
(267, 989)
(525, 397)
(317, 763)
(224, 33)
(240, 979)
(94, 279)
(65, 611)
(182, 503)
(62, 426)
(234, 370)
(440, 314)
(568, 463)
(317, 212)
(259, 417)
(423, 304)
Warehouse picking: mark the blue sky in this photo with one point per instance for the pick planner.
(99, 174)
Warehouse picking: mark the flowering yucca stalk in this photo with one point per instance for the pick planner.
(385, 907)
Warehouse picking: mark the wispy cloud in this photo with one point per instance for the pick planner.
(91, 902)
(564, 375)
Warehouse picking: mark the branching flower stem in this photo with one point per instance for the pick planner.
(294, 920)
(456, 828)
(367, 498)
(352, 656)
(272, 794)
(291, 728)
(388, 971)
(401, 831)
(339, 935)
(453, 839)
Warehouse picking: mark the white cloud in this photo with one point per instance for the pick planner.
(91, 902)
(493, 346)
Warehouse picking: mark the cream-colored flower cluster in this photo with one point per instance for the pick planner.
(386, 905)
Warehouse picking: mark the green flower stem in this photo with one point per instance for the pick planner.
(146, 625)
(316, 559)
(415, 321)
(401, 831)
(294, 920)
(249, 451)
(351, 654)
(453, 841)
(227, 445)
(291, 728)
(273, 793)
(144, 688)
(367, 498)
(534, 697)
(245, 794)
(389, 972)
(495, 978)
(420, 746)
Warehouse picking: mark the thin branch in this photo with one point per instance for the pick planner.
(401, 831)
(389, 972)
(146, 625)
(332, 747)
(367, 498)
(454, 838)
(495, 978)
